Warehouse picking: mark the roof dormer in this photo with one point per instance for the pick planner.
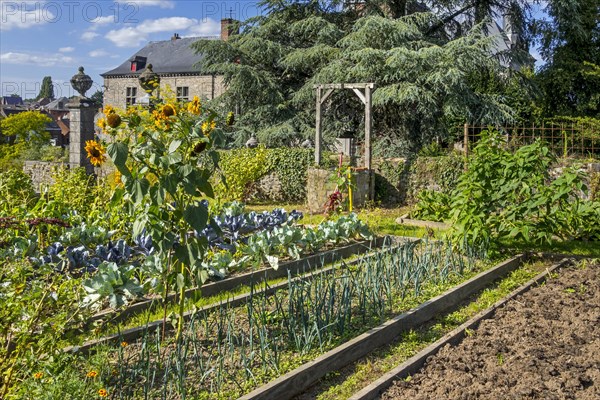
(137, 63)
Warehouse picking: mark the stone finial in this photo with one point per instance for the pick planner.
(252, 142)
(81, 82)
(149, 80)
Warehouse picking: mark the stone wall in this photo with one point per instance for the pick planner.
(320, 186)
(41, 172)
(206, 87)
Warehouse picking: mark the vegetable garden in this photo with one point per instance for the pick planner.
(148, 284)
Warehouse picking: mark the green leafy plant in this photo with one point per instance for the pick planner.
(163, 180)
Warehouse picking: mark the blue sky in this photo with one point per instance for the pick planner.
(53, 38)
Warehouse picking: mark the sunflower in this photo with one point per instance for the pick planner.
(102, 393)
(102, 124)
(95, 152)
(208, 127)
(194, 106)
(168, 110)
(109, 110)
(113, 120)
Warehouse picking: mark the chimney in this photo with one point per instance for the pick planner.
(228, 28)
(175, 36)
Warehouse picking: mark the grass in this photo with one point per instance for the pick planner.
(342, 385)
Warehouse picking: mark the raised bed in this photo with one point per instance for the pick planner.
(296, 268)
(300, 379)
(258, 276)
(415, 363)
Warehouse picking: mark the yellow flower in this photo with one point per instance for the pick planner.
(207, 128)
(124, 344)
(108, 110)
(230, 118)
(95, 152)
(194, 106)
(168, 110)
(38, 375)
(102, 393)
(92, 374)
(161, 121)
(102, 123)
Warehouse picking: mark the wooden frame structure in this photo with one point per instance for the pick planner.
(323, 92)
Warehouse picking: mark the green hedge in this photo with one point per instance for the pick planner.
(243, 167)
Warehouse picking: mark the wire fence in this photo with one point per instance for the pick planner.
(564, 139)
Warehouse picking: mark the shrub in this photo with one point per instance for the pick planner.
(17, 190)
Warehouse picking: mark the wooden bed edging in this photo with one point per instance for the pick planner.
(415, 363)
(300, 379)
(295, 267)
(131, 334)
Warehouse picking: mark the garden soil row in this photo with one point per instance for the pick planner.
(544, 344)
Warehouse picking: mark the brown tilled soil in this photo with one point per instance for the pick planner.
(544, 344)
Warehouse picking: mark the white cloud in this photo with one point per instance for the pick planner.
(136, 35)
(43, 60)
(109, 19)
(88, 36)
(165, 24)
(24, 15)
(126, 37)
(208, 27)
(99, 53)
(66, 49)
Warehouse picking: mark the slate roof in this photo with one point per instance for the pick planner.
(12, 100)
(166, 56)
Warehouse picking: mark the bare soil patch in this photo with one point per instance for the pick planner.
(544, 344)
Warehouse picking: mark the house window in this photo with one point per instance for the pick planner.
(182, 93)
(130, 95)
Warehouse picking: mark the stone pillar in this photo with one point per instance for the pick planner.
(82, 129)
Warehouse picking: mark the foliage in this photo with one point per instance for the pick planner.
(27, 126)
(47, 89)
(241, 168)
(432, 206)
(570, 45)
(17, 191)
(290, 165)
(73, 190)
(505, 195)
(38, 310)
(157, 157)
(423, 77)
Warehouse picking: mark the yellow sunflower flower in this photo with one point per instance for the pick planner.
(168, 110)
(208, 127)
(102, 124)
(102, 393)
(109, 110)
(95, 152)
(194, 106)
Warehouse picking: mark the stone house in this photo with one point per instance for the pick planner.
(176, 64)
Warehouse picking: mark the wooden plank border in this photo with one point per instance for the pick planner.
(415, 363)
(300, 379)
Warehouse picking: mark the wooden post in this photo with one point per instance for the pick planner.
(368, 126)
(466, 139)
(318, 130)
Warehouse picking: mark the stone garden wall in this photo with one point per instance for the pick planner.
(41, 172)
